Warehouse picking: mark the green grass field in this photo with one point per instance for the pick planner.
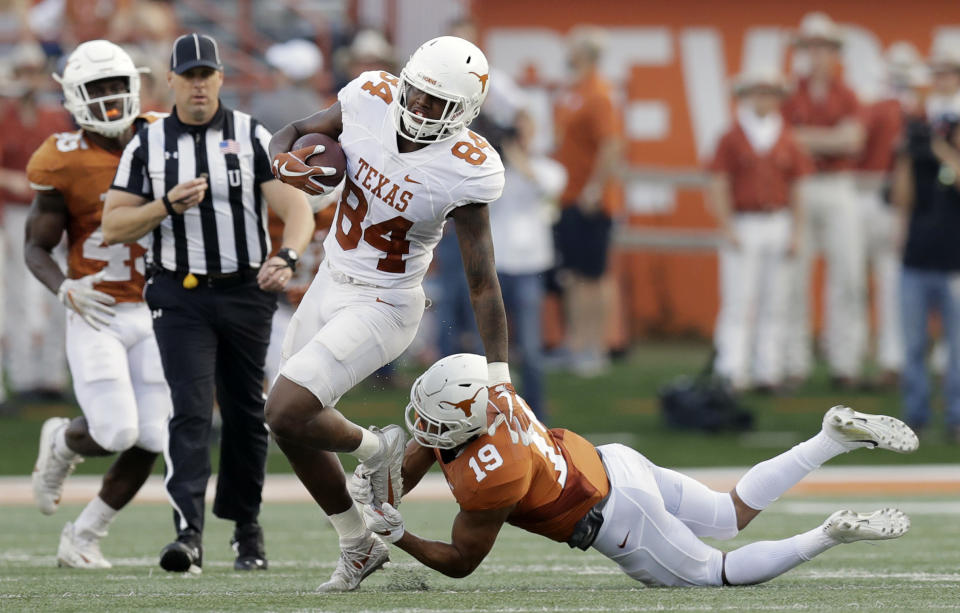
(918, 572)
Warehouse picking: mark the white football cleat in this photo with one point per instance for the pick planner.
(384, 468)
(51, 471)
(356, 563)
(856, 430)
(848, 526)
(77, 552)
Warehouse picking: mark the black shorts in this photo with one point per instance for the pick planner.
(582, 241)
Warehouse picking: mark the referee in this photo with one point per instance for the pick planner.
(193, 185)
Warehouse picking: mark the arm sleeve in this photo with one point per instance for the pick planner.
(261, 156)
(132, 174)
(43, 170)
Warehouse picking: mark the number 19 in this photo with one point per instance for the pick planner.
(489, 455)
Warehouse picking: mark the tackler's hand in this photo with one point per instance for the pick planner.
(385, 521)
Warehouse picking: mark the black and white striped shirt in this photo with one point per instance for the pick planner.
(227, 231)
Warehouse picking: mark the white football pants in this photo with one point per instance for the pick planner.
(884, 265)
(832, 224)
(753, 292)
(118, 379)
(343, 332)
(34, 317)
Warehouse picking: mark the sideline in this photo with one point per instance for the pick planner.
(917, 479)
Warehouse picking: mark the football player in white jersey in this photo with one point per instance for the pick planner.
(411, 164)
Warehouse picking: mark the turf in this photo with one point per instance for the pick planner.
(621, 406)
(523, 573)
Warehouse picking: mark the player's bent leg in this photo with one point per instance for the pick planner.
(764, 560)
(843, 430)
(55, 462)
(638, 533)
(80, 540)
(705, 511)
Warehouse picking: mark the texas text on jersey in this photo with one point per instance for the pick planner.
(393, 207)
(554, 480)
(82, 172)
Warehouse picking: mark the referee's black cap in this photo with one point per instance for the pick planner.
(192, 50)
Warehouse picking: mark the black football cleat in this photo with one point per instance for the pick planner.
(184, 555)
(247, 542)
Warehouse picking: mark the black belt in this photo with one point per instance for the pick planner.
(585, 531)
(217, 281)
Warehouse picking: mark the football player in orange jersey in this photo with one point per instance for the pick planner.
(113, 357)
(647, 519)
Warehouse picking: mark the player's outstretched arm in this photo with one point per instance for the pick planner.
(474, 533)
(476, 247)
(45, 226)
(329, 121)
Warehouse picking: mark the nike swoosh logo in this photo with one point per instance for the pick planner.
(407, 178)
(624, 543)
(385, 302)
(293, 173)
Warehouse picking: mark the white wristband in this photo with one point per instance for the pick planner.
(498, 372)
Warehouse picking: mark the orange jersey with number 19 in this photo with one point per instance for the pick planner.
(553, 481)
(82, 173)
(394, 205)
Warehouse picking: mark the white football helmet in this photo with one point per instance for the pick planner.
(448, 403)
(451, 69)
(92, 61)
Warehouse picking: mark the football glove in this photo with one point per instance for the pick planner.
(291, 169)
(359, 486)
(385, 521)
(95, 307)
(513, 412)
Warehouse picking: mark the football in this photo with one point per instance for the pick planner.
(332, 156)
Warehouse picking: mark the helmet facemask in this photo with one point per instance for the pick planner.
(423, 129)
(113, 119)
(93, 62)
(450, 69)
(98, 114)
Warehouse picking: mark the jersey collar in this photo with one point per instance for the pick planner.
(215, 122)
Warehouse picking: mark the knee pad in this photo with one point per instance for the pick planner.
(120, 440)
(152, 437)
(705, 511)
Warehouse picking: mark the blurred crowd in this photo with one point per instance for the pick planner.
(806, 167)
(809, 167)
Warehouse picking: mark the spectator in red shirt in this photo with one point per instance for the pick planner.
(753, 192)
(825, 116)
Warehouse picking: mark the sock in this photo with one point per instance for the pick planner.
(349, 524)
(764, 560)
(369, 446)
(768, 480)
(94, 520)
(60, 448)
